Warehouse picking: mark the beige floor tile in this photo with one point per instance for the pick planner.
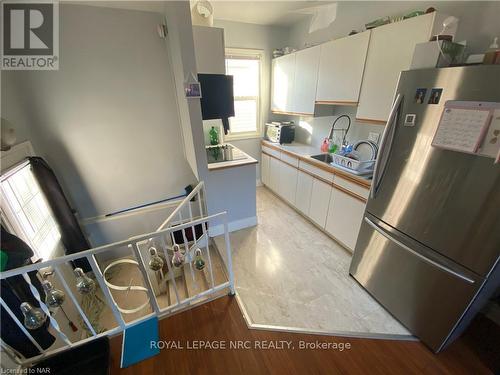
(289, 273)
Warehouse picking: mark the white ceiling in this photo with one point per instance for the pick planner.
(144, 5)
(279, 13)
(261, 12)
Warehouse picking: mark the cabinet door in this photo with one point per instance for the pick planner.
(303, 193)
(345, 215)
(390, 51)
(288, 182)
(282, 83)
(209, 49)
(264, 171)
(305, 81)
(274, 174)
(341, 67)
(320, 199)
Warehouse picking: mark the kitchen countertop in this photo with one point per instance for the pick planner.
(304, 152)
(233, 163)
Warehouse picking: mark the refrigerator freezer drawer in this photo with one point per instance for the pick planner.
(423, 290)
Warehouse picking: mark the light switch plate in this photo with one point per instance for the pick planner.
(372, 136)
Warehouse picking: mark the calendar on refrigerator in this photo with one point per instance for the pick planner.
(464, 125)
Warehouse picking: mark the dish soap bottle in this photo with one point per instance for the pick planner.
(492, 55)
(214, 136)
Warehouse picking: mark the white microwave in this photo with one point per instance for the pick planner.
(280, 133)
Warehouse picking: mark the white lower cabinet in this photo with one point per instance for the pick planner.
(339, 213)
(320, 198)
(264, 169)
(344, 217)
(274, 174)
(288, 182)
(304, 191)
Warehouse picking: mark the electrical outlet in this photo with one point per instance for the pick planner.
(373, 137)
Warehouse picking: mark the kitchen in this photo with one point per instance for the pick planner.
(326, 123)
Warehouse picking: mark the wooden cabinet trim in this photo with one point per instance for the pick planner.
(350, 193)
(316, 163)
(292, 113)
(371, 121)
(336, 102)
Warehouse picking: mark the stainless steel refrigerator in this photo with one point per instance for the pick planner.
(429, 245)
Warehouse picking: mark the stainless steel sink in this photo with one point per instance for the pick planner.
(325, 158)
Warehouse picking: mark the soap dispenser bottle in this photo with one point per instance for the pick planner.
(492, 55)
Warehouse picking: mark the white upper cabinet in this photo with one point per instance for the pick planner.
(341, 66)
(390, 51)
(305, 81)
(209, 49)
(282, 85)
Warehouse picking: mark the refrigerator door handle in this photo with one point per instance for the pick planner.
(385, 145)
(417, 254)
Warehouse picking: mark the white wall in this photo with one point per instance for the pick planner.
(478, 25)
(107, 121)
(266, 38)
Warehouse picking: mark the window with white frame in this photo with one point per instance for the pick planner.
(27, 212)
(245, 66)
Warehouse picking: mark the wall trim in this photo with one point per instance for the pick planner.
(217, 230)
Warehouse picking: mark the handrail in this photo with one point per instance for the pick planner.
(101, 249)
(184, 202)
(163, 236)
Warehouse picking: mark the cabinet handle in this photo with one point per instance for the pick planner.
(416, 253)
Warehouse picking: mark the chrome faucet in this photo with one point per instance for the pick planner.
(332, 129)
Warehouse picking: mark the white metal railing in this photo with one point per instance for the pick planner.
(163, 238)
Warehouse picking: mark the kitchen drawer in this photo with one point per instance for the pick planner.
(351, 186)
(271, 151)
(290, 159)
(327, 176)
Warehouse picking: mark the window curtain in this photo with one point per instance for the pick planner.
(15, 290)
(72, 236)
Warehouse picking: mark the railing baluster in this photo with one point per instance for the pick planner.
(170, 271)
(107, 294)
(14, 355)
(73, 298)
(188, 254)
(229, 256)
(193, 228)
(159, 237)
(145, 276)
(20, 325)
(53, 322)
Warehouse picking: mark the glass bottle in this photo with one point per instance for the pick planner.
(53, 297)
(199, 263)
(84, 284)
(155, 262)
(34, 317)
(178, 258)
(214, 136)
